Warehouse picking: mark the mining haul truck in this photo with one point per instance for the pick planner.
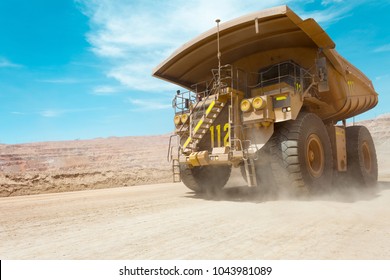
(269, 94)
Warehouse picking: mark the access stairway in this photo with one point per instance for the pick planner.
(203, 125)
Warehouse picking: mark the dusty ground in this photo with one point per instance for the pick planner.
(166, 221)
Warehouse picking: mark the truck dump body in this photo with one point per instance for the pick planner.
(266, 38)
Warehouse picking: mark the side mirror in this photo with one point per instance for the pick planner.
(322, 74)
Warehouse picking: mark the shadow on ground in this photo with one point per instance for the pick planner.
(345, 194)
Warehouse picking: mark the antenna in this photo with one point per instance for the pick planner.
(218, 55)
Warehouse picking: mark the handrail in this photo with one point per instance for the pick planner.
(232, 77)
(205, 94)
(298, 76)
(170, 147)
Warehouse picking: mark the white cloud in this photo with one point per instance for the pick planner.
(135, 36)
(382, 77)
(51, 113)
(149, 105)
(61, 81)
(137, 76)
(334, 11)
(5, 63)
(105, 90)
(329, 2)
(383, 48)
(18, 113)
(57, 112)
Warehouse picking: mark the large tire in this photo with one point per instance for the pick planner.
(362, 165)
(205, 179)
(301, 155)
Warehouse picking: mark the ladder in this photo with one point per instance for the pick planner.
(201, 128)
(176, 170)
(250, 172)
(174, 158)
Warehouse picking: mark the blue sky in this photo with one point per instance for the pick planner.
(82, 69)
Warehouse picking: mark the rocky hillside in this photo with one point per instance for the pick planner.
(83, 164)
(379, 128)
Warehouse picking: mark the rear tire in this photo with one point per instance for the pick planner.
(301, 155)
(362, 165)
(205, 179)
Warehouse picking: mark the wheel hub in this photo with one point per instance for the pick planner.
(315, 156)
(366, 157)
(311, 156)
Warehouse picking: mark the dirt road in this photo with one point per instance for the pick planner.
(166, 221)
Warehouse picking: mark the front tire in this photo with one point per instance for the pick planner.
(201, 179)
(301, 155)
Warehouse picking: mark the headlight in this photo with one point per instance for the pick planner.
(258, 103)
(177, 119)
(245, 105)
(184, 118)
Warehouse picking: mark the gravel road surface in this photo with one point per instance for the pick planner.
(166, 221)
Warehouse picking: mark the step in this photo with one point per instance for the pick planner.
(250, 172)
(216, 109)
(211, 116)
(176, 171)
(199, 134)
(205, 125)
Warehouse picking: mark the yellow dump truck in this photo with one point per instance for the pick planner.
(269, 94)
